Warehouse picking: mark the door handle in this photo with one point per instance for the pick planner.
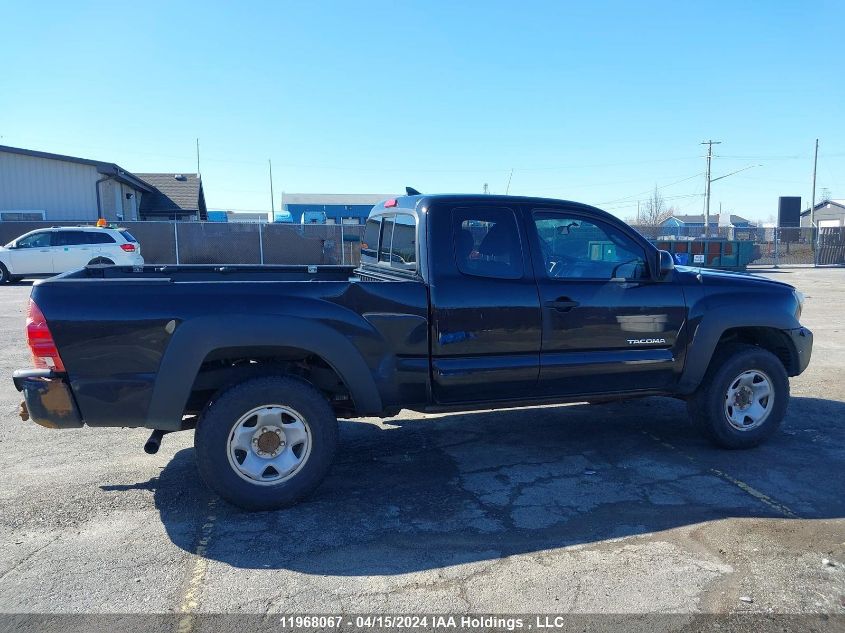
(562, 304)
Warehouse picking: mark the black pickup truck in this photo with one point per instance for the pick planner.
(460, 302)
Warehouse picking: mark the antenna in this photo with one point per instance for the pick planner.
(508, 188)
(198, 158)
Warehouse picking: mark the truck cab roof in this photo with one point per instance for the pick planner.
(419, 205)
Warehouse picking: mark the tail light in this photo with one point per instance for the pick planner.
(129, 248)
(45, 355)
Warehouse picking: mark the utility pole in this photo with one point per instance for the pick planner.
(486, 188)
(272, 201)
(813, 197)
(709, 144)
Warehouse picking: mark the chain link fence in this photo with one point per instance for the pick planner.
(230, 242)
(254, 243)
(752, 246)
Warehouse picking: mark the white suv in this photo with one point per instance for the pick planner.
(51, 251)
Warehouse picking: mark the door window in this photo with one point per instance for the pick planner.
(36, 240)
(92, 237)
(486, 242)
(574, 248)
(70, 238)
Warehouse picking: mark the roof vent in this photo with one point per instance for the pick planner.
(179, 177)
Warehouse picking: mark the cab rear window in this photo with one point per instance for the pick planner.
(129, 237)
(391, 240)
(369, 242)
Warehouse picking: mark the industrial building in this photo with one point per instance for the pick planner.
(38, 185)
(339, 208)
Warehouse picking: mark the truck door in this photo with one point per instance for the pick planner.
(607, 324)
(485, 338)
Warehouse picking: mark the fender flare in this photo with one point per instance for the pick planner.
(193, 340)
(713, 324)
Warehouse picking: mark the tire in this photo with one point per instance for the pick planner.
(728, 405)
(229, 452)
(5, 277)
(101, 261)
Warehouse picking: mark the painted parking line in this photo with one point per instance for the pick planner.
(193, 587)
(775, 505)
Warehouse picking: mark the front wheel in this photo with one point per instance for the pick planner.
(5, 277)
(743, 397)
(266, 442)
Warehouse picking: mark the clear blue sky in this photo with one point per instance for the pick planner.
(590, 101)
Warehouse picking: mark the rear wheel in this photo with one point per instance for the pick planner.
(743, 397)
(266, 442)
(102, 261)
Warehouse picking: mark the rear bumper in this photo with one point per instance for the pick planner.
(802, 339)
(128, 259)
(47, 398)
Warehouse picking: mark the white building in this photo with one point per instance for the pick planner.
(42, 186)
(830, 213)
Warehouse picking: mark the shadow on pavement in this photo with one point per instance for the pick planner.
(426, 494)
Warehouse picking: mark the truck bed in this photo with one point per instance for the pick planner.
(215, 272)
(127, 332)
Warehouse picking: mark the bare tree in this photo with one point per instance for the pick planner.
(654, 211)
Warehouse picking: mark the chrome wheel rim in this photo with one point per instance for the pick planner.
(749, 400)
(269, 444)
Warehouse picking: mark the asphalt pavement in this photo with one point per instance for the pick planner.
(616, 508)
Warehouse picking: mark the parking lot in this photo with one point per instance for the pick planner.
(591, 509)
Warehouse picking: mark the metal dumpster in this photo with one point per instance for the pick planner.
(716, 252)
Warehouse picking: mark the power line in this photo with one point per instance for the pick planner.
(642, 193)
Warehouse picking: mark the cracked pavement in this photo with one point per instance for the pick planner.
(615, 508)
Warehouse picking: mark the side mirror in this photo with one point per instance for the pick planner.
(667, 263)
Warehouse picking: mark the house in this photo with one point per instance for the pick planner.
(830, 213)
(38, 185)
(697, 221)
(339, 208)
(43, 186)
(693, 225)
(174, 197)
